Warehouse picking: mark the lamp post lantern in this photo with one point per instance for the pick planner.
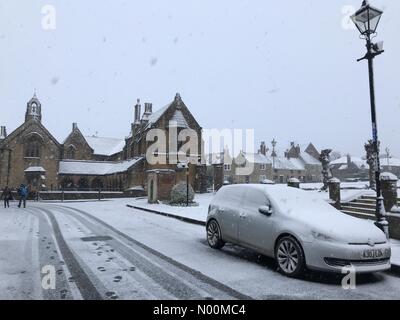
(366, 20)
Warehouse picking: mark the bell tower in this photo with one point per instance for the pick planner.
(33, 109)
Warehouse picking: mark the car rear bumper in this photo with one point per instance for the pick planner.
(336, 257)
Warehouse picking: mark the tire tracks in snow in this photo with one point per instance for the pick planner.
(82, 280)
(179, 280)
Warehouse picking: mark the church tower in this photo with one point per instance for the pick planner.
(33, 109)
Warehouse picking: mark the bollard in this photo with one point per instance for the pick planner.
(294, 183)
(334, 192)
(389, 190)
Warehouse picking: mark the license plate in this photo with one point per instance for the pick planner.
(376, 254)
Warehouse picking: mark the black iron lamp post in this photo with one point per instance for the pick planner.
(366, 20)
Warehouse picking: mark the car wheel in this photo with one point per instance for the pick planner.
(214, 235)
(290, 257)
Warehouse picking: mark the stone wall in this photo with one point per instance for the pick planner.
(50, 152)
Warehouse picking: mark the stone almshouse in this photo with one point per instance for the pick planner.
(31, 155)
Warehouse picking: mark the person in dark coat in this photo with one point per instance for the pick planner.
(6, 196)
(23, 195)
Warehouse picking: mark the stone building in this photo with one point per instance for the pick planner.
(350, 168)
(31, 155)
(295, 163)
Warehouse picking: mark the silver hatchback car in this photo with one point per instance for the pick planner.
(297, 228)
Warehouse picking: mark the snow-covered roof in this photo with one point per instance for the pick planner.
(154, 117)
(35, 169)
(215, 158)
(309, 159)
(74, 167)
(105, 146)
(178, 120)
(288, 164)
(258, 158)
(395, 162)
(360, 163)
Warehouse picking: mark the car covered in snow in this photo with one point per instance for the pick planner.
(298, 228)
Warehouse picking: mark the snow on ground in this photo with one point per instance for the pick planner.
(236, 267)
(395, 252)
(197, 213)
(200, 212)
(343, 185)
(17, 240)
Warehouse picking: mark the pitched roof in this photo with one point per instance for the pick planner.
(105, 146)
(308, 159)
(25, 126)
(179, 120)
(154, 117)
(258, 158)
(360, 163)
(93, 168)
(288, 164)
(395, 162)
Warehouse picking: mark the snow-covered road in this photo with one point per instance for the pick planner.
(104, 250)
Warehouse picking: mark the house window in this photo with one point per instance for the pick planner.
(32, 148)
(263, 167)
(227, 178)
(227, 167)
(70, 152)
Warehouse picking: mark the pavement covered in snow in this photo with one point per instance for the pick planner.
(105, 250)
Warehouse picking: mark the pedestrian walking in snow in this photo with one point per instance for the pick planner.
(6, 196)
(23, 195)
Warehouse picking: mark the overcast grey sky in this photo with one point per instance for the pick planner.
(285, 68)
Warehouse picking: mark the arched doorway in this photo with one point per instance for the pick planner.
(83, 184)
(67, 183)
(97, 183)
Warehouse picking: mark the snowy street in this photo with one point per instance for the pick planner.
(105, 250)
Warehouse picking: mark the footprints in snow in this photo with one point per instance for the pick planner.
(111, 295)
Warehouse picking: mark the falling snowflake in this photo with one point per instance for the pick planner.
(153, 61)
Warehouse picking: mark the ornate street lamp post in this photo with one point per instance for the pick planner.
(366, 20)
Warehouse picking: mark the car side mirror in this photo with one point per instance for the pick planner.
(266, 210)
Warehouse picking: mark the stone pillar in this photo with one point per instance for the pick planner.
(389, 190)
(201, 179)
(334, 192)
(218, 176)
(293, 182)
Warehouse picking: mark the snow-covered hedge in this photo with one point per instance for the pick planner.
(178, 193)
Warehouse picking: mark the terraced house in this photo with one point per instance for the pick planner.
(31, 155)
(296, 162)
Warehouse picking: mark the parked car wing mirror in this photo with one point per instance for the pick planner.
(266, 210)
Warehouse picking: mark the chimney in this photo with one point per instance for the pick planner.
(148, 110)
(297, 151)
(263, 148)
(74, 126)
(3, 132)
(137, 112)
(348, 160)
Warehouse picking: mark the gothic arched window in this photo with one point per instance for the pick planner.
(70, 152)
(32, 148)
